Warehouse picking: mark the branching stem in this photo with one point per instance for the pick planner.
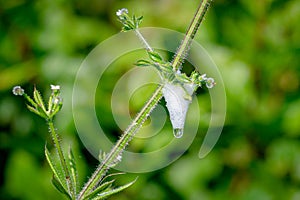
(117, 150)
(136, 124)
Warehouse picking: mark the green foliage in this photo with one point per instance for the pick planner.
(58, 178)
(65, 175)
(129, 23)
(255, 44)
(105, 190)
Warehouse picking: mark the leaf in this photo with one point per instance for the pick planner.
(165, 67)
(73, 171)
(154, 56)
(28, 98)
(37, 111)
(140, 19)
(58, 183)
(126, 28)
(50, 103)
(137, 21)
(42, 113)
(143, 63)
(56, 108)
(182, 78)
(113, 191)
(100, 188)
(38, 99)
(32, 109)
(113, 174)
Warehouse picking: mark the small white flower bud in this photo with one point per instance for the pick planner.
(17, 90)
(203, 77)
(55, 87)
(121, 12)
(57, 100)
(210, 83)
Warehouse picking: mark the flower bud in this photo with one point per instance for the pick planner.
(17, 90)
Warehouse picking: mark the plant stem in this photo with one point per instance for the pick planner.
(116, 152)
(145, 43)
(184, 47)
(61, 155)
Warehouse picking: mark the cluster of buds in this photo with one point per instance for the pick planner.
(200, 80)
(129, 23)
(37, 105)
(168, 74)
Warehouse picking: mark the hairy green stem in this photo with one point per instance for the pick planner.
(61, 155)
(184, 47)
(116, 152)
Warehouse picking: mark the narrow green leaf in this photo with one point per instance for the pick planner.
(42, 113)
(56, 108)
(36, 112)
(100, 188)
(52, 165)
(134, 18)
(58, 185)
(50, 103)
(140, 18)
(113, 174)
(182, 78)
(32, 109)
(126, 27)
(165, 67)
(55, 170)
(73, 170)
(113, 191)
(131, 24)
(137, 21)
(38, 99)
(28, 98)
(154, 56)
(143, 63)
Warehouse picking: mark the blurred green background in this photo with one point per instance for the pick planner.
(255, 44)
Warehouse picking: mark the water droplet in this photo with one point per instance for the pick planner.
(178, 132)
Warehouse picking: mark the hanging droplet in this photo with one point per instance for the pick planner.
(177, 104)
(178, 132)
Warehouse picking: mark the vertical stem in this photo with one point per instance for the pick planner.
(184, 47)
(61, 155)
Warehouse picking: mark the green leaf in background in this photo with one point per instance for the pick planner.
(255, 45)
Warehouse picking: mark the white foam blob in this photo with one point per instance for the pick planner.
(178, 98)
